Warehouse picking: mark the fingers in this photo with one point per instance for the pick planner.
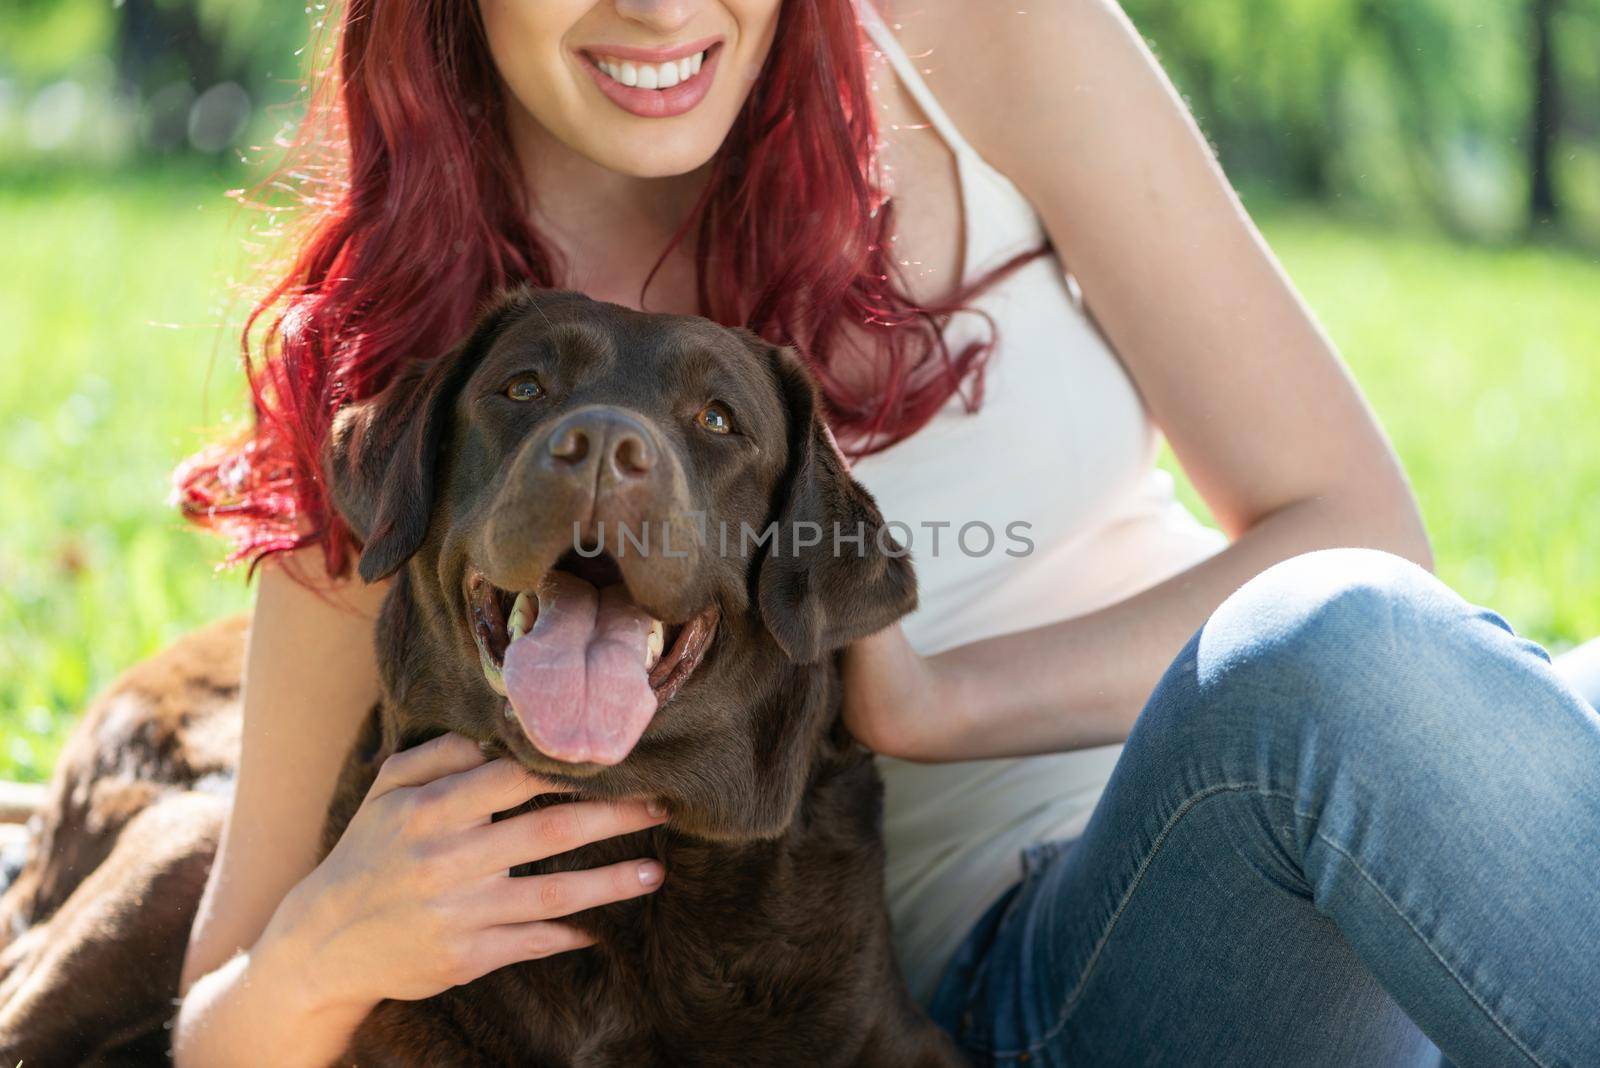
(559, 894)
(455, 783)
(472, 796)
(496, 947)
(448, 754)
(561, 828)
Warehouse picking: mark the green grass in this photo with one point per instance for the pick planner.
(1483, 363)
(109, 295)
(1484, 367)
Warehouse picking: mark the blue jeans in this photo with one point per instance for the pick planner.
(1356, 811)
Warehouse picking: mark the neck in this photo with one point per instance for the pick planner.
(609, 227)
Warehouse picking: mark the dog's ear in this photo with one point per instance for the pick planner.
(833, 573)
(382, 453)
(379, 466)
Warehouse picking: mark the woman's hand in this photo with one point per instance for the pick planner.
(417, 896)
(897, 702)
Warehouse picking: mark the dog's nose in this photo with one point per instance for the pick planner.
(570, 443)
(631, 455)
(606, 436)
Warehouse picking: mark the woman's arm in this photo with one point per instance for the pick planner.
(1068, 102)
(310, 679)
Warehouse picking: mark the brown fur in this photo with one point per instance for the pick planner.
(93, 929)
(769, 942)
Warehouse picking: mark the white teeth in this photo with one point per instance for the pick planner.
(651, 75)
(491, 672)
(653, 645)
(521, 621)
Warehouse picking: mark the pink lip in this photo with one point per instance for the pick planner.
(652, 55)
(655, 103)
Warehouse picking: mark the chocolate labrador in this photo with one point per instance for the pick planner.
(625, 553)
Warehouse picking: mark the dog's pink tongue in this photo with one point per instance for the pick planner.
(577, 680)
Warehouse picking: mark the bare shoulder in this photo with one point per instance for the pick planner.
(1017, 76)
(1059, 95)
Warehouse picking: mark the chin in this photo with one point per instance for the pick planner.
(644, 148)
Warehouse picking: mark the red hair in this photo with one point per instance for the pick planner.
(412, 205)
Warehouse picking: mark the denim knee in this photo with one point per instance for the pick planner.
(1313, 621)
(1349, 653)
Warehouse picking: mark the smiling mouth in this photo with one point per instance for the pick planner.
(669, 652)
(656, 89)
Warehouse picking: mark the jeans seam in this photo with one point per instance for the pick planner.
(1423, 939)
(1070, 1002)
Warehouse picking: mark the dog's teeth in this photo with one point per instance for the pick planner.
(653, 646)
(491, 672)
(521, 617)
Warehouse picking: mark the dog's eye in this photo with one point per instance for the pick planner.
(715, 418)
(525, 389)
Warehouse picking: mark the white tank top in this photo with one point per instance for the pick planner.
(1063, 443)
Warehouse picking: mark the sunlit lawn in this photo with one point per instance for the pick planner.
(106, 291)
(1484, 364)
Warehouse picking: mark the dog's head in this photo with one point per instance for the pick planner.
(624, 545)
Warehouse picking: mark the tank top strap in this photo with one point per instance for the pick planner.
(883, 37)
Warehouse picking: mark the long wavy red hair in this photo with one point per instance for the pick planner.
(412, 213)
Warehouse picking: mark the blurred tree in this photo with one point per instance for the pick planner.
(1452, 107)
(1429, 85)
(159, 56)
(158, 43)
(1544, 121)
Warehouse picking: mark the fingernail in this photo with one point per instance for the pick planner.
(650, 873)
(656, 808)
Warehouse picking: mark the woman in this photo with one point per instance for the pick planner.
(1352, 801)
